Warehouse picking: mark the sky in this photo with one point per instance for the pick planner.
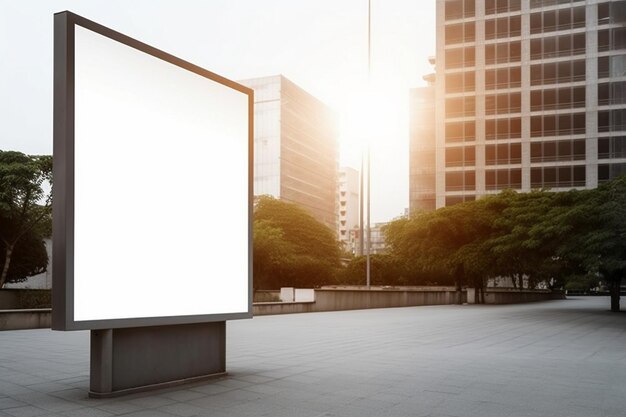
(320, 45)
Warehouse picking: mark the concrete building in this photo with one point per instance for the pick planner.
(296, 151)
(422, 145)
(377, 243)
(530, 94)
(348, 184)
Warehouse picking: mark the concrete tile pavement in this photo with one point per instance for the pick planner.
(559, 358)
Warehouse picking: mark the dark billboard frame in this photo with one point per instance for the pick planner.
(63, 174)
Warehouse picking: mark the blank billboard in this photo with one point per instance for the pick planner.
(152, 179)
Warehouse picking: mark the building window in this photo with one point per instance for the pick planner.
(500, 179)
(612, 120)
(460, 107)
(557, 72)
(457, 9)
(460, 32)
(460, 81)
(557, 46)
(562, 176)
(461, 156)
(503, 103)
(502, 6)
(460, 132)
(607, 172)
(614, 147)
(557, 125)
(503, 154)
(553, 20)
(552, 151)
(612, 93)
(460, 180)
(503, 128)
(560, 98)
(503, 78)
(612, 12)
(499, 53)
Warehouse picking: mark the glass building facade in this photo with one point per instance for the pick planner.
(296, 153)
(530, 94)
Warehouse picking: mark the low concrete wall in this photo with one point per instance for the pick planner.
(264, 309)
(495, 296)
(16, 298)
(356, 299)
(37, 318)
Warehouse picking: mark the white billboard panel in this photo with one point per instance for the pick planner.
(161, 189)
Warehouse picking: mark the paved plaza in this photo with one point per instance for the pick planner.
(557, 358)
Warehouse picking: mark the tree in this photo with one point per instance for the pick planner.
(25, 214)
(291, 248)
(594, 238)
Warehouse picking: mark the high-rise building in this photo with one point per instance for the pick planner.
(530, 94)
(378, 244)
(296, 151)
(422, 145)
(348, 204)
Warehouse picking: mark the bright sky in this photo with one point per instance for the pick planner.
(320, 45)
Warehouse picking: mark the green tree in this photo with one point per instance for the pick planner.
(594, 234)
(291, 248)
(25, 211)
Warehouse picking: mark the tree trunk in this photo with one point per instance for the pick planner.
(7, 262)
(615, 290)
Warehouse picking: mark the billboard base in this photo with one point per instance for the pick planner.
(129, 360)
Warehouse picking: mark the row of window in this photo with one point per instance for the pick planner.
(457, 9)
(457, 199)
(460, 81)
(460, 57)
(612, 39)
(614, 147)
(503, 78)
(553, 20)
(540, 126)
(554, 151)
(549, 151)
(503, 103)
(504, 128)
(612, 93)
(540, 177)
(557, 46)
(557, 125)
(460, 106)
(503, 153)
(461, 156)
(502, 6)
(499, 53)
(557, 72)
(607, 172)
(612, 66)
(557, 98)
(612, 120)
(612, 12)
(534, 4)
(460, 32)
(551, 177)
(503, 27)
(460, 180)
(499, 179)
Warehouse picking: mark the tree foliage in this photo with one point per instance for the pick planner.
(291, 248)
(25, 214)
(556, 238)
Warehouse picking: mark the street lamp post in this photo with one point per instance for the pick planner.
(369, 153)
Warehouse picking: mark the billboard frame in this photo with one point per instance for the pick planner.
(63, 174)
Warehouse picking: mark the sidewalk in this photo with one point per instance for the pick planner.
(558, 358)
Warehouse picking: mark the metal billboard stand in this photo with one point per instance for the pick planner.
(130, 354)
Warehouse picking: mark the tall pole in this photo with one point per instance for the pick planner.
(361, 214)
(369, 153)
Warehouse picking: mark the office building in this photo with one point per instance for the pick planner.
(422, 145)
(377, 243)
(296, 151)
(529, 94)
(348, 184)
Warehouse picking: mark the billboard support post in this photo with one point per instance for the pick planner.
(129, 360)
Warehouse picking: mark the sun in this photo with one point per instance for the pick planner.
(373, 116)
